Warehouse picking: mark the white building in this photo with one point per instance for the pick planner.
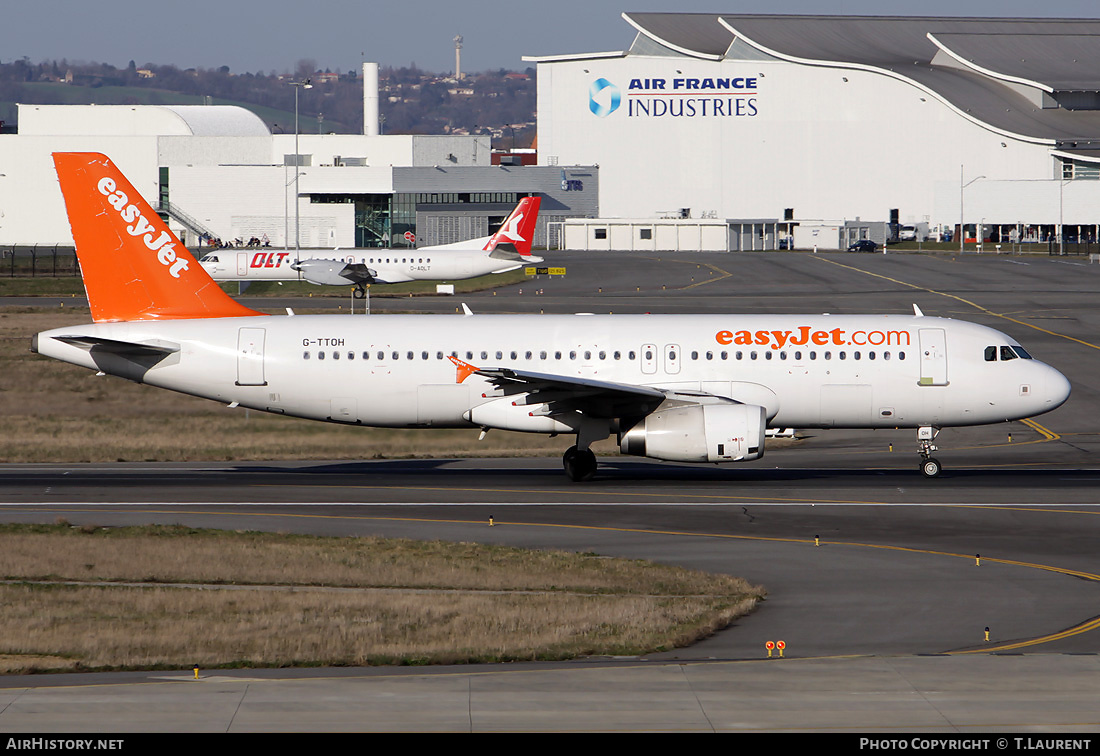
(218, 171)
(909, 121)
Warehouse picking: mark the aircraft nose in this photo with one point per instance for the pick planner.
(1056, 389)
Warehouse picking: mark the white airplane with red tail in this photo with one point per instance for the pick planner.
(508, 249)
(689, 388)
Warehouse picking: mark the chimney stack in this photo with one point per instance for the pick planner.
(370, 99)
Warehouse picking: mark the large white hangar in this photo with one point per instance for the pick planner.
(838, 121)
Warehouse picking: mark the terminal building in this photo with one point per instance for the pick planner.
(832, 127)
(217, 172)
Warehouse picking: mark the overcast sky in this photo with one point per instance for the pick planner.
(273, 35)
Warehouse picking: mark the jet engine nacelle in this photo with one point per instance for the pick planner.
(699, 433)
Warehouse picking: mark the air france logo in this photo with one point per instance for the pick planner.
(609, 98)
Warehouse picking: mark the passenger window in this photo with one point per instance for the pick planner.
(305, 355)
(320, 355)
(351, 355)
(527, 356)
(335, 355)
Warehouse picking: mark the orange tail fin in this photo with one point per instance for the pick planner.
(134, 268)
(519, 228)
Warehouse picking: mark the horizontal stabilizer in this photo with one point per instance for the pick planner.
(125, 348)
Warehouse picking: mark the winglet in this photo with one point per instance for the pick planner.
(463, 369)
(519, 228)
(134, 267)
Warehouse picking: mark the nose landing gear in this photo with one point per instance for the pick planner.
(929, 465)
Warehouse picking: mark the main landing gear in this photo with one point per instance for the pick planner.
(579, 464)
(929, 465)
(359, 292)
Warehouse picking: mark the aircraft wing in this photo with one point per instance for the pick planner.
(562, 393)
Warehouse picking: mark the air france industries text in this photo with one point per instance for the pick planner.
(692, 97)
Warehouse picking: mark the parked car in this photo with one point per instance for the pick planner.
(863, 245)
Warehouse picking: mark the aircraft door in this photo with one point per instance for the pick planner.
(649, 358)
(242, 264)
(933, 357)
(250, 357)
(672, 358)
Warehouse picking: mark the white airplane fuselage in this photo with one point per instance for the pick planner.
(807, 371)
(390, 265)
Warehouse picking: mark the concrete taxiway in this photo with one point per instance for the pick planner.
(872, 571)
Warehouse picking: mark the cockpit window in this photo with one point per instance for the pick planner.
(1007, 353)
(1022, 352)
(991, 354)
(209, 259)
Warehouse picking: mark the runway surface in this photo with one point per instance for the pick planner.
(872, 571)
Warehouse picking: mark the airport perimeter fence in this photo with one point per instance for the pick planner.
(1076, 247)
(30, 260)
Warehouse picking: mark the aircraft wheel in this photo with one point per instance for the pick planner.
(930, 467)
(580, 465)
(358, 293)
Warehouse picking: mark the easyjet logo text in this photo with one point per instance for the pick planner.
(163, 244)
(807, 336)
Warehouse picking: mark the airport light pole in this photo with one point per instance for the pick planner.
(297, 165)
(962, 186)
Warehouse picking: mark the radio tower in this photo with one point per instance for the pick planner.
(458, 56)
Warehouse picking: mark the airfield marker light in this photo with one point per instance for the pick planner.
(817, 540)
(196, 671)
(891, 447)
(977, 560)
(490, 521)
(1010, 438)
(780, 645)
(987, 635)
(769, 645)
